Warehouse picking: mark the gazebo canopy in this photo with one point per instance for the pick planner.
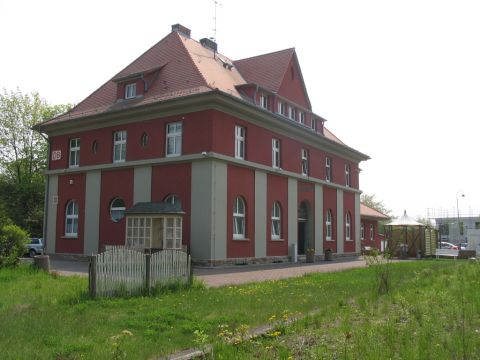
(405, 220)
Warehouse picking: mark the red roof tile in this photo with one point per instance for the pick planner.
(366, 211)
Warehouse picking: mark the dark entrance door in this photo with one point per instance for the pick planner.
(302, 230)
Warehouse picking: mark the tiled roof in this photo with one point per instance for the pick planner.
(366, 211)
(155, 208)
(329, 135)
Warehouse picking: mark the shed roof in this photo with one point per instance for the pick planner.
(155, 208)
(368, 212)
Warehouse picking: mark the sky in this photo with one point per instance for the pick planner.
(396, 80)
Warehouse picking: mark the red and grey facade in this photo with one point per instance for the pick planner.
(309, 203)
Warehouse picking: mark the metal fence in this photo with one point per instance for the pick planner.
(123, 271)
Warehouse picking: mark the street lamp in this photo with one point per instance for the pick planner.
(458, 217)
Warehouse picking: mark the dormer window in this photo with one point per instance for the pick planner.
(301, 117)
(291, 112)
(281, 108)
(130, 91)
(264, 101)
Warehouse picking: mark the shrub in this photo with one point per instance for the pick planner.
(13, 244)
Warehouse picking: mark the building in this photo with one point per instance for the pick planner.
(454, 229)
(371, 236)
(234, 145)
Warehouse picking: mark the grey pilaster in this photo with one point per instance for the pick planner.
(260, 214)
(340, 215)
(357, 223)
(52, 214)
(318, 222)
(142, 184)
(92, 212)
(292, 212)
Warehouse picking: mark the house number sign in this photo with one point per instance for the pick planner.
(56, 154)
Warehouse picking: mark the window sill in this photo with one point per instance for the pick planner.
(69, 237)
(118, 161)
(331, 240)
(349, 240)
(278, 240)
(241, 239)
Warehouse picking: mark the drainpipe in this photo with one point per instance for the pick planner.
(45, 204)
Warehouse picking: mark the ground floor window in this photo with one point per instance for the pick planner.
(154, 232)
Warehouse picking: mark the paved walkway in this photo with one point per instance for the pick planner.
(235, 274)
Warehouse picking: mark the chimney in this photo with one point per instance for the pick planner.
(209, 43)
(181, 30)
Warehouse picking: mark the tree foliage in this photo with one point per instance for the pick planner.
(23, 156)
(13, 244)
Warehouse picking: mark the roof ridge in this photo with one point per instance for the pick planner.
(270, 53)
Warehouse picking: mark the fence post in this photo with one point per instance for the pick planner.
(92, 276)
(190, 269)
(147, 272)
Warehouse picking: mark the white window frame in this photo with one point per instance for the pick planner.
(348, 227)
(115, 209)
(120, 143)
(313, 124)
(173, 232)
(71, 219)
(328, 226)
(371, 232)
(328, 169)
(74, 154)
(130, 91)
(276, 153)
(348, 179)
(301, 117)
(281, 108)
(264, 101)
(239, 142)
(291, 112)
(304, 162)
(139, 231)
(239, 214)
(174, 138)
(362, 232)
(276, 221)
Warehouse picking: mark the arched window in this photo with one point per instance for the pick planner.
(238, 218)
(348, 226)
(362, 232)
(171, 199)
(328, 225)
(144, 140)
(117, 209)
(276, 221)
(71, 219)
(371, 232)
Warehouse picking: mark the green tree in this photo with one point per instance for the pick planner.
(23, 156)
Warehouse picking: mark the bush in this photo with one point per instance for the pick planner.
(13, 244)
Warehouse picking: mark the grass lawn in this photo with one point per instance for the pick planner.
(46, 317)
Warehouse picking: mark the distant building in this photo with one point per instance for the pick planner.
(454, 229)
(370, 235)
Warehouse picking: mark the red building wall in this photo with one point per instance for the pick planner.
(241, 182)
(174, 179)
(70, 187)
(349, 206)
(330, 202)
(291, 87)
(115, 183)
(277, 190)
(376, 236)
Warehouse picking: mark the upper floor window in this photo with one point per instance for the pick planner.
(171, 199)
(328, 225)
(314, 124)
(347, 175)
(348, 226)
(304, 155)
(276, 153)
(371, 232)
(71, 219)
(239, 142)
(328, 169)
(119, 145)
(117, 209)
(301, 117)
(264, 101)
(362, 232)
(239, 218)
(276, 221)
(144, 140)
(174, 139)
(281, 108)
(291, 112)
(74, 160)
(130, 91)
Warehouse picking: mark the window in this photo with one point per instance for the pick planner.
(301, 117)
(362, 232)
(119, 145)
(174, 139)
(347, 175)
(173, 234)
(264, 101)
(276, 153)
(348, 226)
(130, 91)
(314, 124)
(328, 169)
(276, 221)
(74, 152)
(171, 199)
(139, 232)
(71, 219)
(164, 232)
(328, 225)
(281, 108)
(95, 146)
(291, 112)
(117, 209)
(371, 232)
(239, 142)
(304, 162)
(144, 140)
(238, 218)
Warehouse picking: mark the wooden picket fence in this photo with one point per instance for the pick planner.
(123, 271)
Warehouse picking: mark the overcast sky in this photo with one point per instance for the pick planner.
(397, 80)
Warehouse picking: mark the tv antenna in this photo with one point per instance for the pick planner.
(216, 3)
